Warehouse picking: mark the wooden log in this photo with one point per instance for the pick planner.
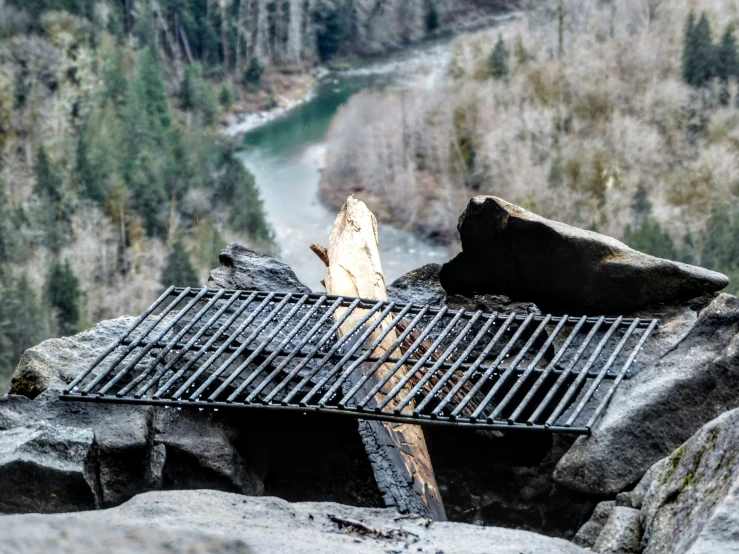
(397, 452)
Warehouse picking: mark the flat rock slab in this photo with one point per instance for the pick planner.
(511, 251)
(238, 524)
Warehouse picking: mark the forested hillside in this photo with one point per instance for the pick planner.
(113, 180)
(622, 117)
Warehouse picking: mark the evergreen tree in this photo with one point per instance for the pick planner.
(148, 195)
(331, 30)
(719, 245)
(226, 97)
(22, 318)
(149, 88)
(650, 238)
(499, 67)
(253, 74)
(432, 18)
(688, 250)
(178, 269)
(62, 294)
(727, 57)
(238, 190)
(699, 60)
(190, 87)
(6, 235)
(48, 178)
(645, 233)
(90, 175)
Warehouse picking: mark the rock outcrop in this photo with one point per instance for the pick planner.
(508, 250)
(217, 522)
(650, 415)
(687, 503)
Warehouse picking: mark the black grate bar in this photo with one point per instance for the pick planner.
(108, 351)
(370, 396)
(216, 336)
(372, 372)
(284, 344)
(374, 360)
(622, 374)
(280, 368)
(489, 372)
(389, 328)
(233, 338)
(168, 348)
(455, 367)
(144, 351)
(130, 348)
(565, 374)
(208, 325)
(392, 395)
(357, 342)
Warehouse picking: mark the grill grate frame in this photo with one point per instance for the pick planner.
(255, 349)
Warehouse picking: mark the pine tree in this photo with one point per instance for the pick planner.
(48, 179)
(178, 269)
(62, 294)
(149, 87)
(90, 175)
(432, 18)
(22, 318)
(719, 246)
(641, 206)
(253, 73)
(499, 67)
(148, 194)
(226, 97)
(699, 60)
(238, 190)
(645, 233)
(727, 57)
(190, 87)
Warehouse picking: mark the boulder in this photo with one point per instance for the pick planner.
(419, 286)
(511, 251)
(122, 433)
(235, 524)
(621, 533)
(55, 363)
(691, 498)
(588, 534)
(244, 269)
(47, 468)
(654, 412)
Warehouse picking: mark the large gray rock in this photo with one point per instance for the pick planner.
(55, 363)
(691, 503)
(199, 453)
(233, 523)
(419, 286)
(653, 413)
(588, 534)
(244, 269)
(122, 437)
(508, 250)
(47, 468)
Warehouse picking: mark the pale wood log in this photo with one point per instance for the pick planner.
(397, 452)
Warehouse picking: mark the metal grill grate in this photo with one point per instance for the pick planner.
(218, 348)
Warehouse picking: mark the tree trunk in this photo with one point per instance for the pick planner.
(397, 452)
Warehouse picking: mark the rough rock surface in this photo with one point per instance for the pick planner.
(650, 415)
(419, 286)
(48, 468)
(691, 503)
(621, 533)
(508, 250)
(122, 438)
(244, 269)
(590, 531)
(234, 524)
(55, 363)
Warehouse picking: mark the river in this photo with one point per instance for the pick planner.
(285, 156)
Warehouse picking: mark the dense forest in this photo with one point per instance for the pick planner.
(621, 117)
(113, 179)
